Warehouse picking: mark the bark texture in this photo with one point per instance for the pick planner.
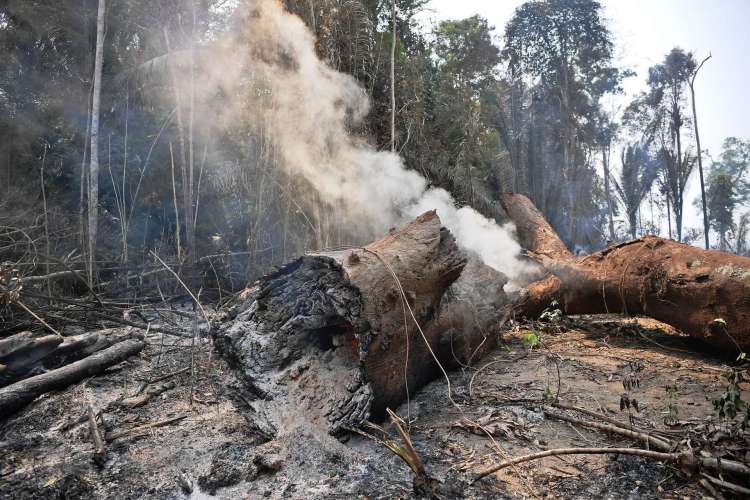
(330, 339)
(704, 293)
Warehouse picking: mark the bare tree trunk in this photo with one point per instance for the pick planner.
(46, 220)
(190, 218)
(176, 209)
(393, 76)
(678, 203)
(605, 163)
(700, 152)
(669, 217)
(123, 200)
(186, 199)
(93, 206)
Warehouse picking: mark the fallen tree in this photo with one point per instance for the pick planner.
(703, 293)
(337, 337)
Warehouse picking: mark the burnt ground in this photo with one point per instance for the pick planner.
(219, 450)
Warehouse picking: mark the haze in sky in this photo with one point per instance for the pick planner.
(645, 31)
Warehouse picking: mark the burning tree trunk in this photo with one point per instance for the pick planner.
(704, 293)
(332, 338)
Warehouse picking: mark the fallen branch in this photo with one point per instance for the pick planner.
(72, 345)
(140, 326)
(144, 397)
(656, 455)
(18, 395)
(140, 430)
(734, 488)
(163, 377)
(100, 449)
(34, 315)
(591, 413)
(651, 441)
(45, 277)
(689, 460)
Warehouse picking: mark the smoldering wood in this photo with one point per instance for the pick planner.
(473, 309)
(15, 396)
(703, 293)
(329, 338)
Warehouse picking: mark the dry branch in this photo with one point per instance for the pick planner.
(144, 397)
(100, 449)
(141, 429)
(662, 457)
(651, 441)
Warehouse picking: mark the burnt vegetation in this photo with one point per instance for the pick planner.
(211, 287)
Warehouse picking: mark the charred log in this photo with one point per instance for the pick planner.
(704, 293)
(330, 337)
(19, 394)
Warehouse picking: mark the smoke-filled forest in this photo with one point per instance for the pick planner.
(339, 249)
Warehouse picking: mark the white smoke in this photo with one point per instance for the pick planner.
(311, 110)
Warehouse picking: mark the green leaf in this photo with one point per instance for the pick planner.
(530, 340)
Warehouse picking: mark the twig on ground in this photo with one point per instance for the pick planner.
(513, 360)
(144, 397)
(32, 313)
(662, 457)
(161, 378)
(100, 449)
(651, 441)
(126, 322)
(734, 488)
(179, 280)
(140, 430)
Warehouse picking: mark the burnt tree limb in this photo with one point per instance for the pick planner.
(330, 338)
(15, 396)
(703, 293)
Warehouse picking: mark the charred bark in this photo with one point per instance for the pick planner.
(330, 337)
(703, 293)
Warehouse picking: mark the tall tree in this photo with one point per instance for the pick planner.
(93, 199)
(721, 204)
(639, 171)
(691, 82)
(728, 188)
(607, 133)
(393, 76)
(563, 50)
(660, 115)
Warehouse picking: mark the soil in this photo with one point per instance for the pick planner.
(220, 449)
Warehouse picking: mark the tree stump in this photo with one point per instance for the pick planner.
(330, 338)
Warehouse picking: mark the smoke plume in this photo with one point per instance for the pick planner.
(310, 113)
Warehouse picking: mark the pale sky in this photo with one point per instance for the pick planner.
(644, 31)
